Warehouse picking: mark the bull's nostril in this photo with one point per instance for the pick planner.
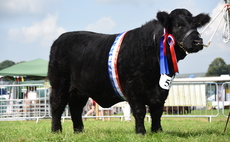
(198, 42)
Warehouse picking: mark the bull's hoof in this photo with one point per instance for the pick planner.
(56, 131)
(77, 131)
(157, 130)
(56, 127)
(141, 132)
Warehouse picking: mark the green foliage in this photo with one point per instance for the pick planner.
(229, 69)
(6, 64)
(217, 68)
(175, 130)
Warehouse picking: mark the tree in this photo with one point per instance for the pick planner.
(217, 68)
(229, 69)
(6, 64)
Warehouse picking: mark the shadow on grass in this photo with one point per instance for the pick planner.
(193, 134)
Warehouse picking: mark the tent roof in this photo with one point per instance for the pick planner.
(37, 67)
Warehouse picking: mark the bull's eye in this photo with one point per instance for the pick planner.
(179, 26)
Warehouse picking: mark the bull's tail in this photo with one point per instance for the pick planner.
(60, 82)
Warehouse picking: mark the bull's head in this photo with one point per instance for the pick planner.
(183, 26)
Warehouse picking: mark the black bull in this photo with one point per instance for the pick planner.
(78, 68)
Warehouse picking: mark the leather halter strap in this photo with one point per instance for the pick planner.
(181, 44)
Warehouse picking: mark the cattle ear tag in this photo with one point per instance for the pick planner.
(165, 81)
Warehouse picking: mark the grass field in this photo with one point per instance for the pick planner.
(175, 130)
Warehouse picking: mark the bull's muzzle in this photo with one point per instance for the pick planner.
(198, 42)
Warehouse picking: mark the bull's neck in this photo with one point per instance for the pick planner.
(180, 54)
(155, 32)
(152, 32)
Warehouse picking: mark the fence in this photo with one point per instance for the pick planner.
(192, 99)
(23, 102)
(198, 99)
(186, 99)
(116, 112)
(225, 98)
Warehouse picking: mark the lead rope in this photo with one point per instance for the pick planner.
(226, 32)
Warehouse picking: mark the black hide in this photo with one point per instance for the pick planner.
(78, 68)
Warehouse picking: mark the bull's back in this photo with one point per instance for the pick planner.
(79, 48)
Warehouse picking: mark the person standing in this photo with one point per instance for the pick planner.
(91, 105)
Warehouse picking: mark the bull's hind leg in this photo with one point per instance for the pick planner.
(58, 101)
(76, 103)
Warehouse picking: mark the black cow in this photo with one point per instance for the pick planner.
(78, 68)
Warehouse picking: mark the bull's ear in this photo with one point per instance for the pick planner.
(163, 18)
(201, 19)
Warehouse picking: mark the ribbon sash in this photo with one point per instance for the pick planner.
(112, 65)
(164, 68)
(171, 42)
(163, 57)
(165, 80)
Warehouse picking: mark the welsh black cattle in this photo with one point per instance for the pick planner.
(78, 67)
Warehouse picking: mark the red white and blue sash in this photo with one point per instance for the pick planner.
(165, 80)
(112, 65)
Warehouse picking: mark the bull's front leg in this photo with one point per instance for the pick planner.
(139, 111)
(156, 113)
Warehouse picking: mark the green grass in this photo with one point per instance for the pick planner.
(175, 130)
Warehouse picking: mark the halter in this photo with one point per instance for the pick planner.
(181, 44)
